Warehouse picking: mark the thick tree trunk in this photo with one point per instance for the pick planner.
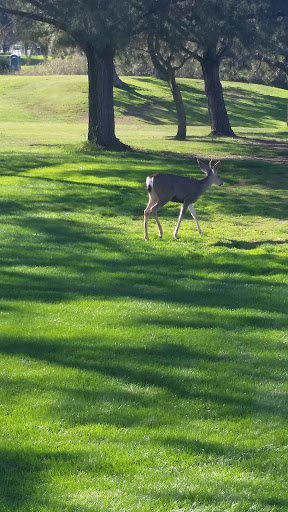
(219, 120)
(117, 82)
(180, 109)
(101, 130)
(287, 103)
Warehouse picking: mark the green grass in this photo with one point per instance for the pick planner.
(141, 376)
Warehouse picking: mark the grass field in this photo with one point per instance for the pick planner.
(136, 376)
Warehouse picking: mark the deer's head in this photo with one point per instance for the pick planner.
(212, 171)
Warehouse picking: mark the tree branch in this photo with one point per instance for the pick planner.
(192, 54)
(35, 17)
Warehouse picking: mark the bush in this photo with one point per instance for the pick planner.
(4, 65)
(70, 65)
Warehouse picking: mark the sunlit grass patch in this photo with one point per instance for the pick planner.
(142, 376)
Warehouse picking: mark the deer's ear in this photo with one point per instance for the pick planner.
(204, 168)
(216, 166)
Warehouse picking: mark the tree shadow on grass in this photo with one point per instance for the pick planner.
(54, 192)
(249, 246)
(227, 495)
(25, 476)
(116, 392)
(161, 110)
(175, 371)
(264, 109)
(20, 474)
(79, 269)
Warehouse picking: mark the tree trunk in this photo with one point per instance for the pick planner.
(219, 120)
(287, 103)
(159, 74)
(180, 109)
(101, 129)
(166, 72)
(117, 82)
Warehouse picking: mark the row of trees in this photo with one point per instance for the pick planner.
(174, 32)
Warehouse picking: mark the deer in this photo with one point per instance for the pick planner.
(162, 188)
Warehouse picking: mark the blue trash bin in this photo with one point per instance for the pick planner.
(15, 62)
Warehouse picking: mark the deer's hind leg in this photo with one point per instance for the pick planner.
(152, 203)
(154, 210)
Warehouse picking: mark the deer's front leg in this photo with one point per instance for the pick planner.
(194, 215)
(182, 210)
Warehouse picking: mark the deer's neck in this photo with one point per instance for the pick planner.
(205, 184)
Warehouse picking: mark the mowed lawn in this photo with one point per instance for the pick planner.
(141, 376)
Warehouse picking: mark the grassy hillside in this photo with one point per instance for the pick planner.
(141, 376)
(60, 98)
(145, 115)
